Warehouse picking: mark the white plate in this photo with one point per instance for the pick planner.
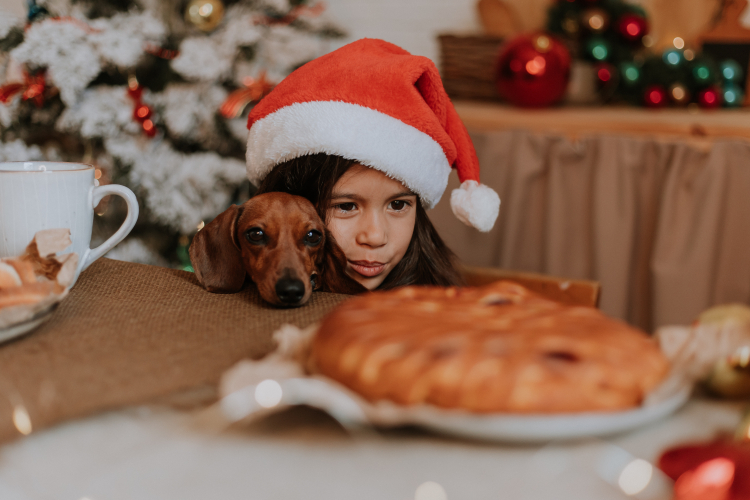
(351, 411)
(542, 428)
(24, 327)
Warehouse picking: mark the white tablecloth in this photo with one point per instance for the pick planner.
(159, 454)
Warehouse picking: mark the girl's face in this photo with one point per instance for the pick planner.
(372, 218)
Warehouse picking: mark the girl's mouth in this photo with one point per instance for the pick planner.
(367, 268)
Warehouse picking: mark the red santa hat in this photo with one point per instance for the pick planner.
(375, 103)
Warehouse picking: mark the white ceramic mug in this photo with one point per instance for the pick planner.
(36, 195)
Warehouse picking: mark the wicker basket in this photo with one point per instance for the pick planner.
(467, 64)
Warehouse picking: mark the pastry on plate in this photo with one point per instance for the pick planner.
(496, 348)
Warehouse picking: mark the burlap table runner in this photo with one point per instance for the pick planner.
(130, 333)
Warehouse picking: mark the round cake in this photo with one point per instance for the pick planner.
(496, 348)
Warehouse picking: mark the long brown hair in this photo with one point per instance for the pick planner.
(428, 261)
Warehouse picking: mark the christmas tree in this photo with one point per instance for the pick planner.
(155, 94)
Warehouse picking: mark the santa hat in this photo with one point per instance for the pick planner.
(375, 103)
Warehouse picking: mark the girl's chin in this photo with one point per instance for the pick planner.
(369, 282)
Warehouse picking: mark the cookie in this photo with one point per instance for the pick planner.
(497, 348)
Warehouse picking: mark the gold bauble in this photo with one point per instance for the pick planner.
(733, 313)
(204, 14)
(730, 377)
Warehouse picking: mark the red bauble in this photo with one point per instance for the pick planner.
(700, 468)
(533, 70)
(632, 27)
(709, 98)
(655, 96)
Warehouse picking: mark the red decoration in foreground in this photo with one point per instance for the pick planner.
(32, 88)
(255, 89)
(713, 471)
(655, 96)
(533, 70)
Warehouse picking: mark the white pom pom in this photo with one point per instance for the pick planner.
(475, 205)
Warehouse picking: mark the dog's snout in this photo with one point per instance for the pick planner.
(290, 290)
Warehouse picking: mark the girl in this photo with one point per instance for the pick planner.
(369, 136)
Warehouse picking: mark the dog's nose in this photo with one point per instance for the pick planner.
(290, 290)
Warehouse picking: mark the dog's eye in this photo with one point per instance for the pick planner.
(255, 235)
(313, 237)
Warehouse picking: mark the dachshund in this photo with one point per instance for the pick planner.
(280, 242)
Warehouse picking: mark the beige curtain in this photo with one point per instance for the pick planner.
(663, 225)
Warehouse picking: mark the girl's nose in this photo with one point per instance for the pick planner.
(372, 232)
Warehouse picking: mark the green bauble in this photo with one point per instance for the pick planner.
(630, 75)
(733, 95)
(702, 74)
(598, 49)
(731, 71)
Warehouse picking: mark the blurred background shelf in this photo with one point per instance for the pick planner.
(577, 121)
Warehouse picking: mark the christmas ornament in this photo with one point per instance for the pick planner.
(595, 20)
(35, 12)
(255, 89)
(730, 377)
(731, 71)
(733, 95)
(604, 73)
(607, 79)
(717, 470)
(679, 94)
(632, 27)
(533, 70)
(598, 49)
(141, 112)
(709, 98)
(655, 96)
(672, 58)
(204, 14)
(702, 73)
(630, 74)
(160, 52)
(298, 11)
(32, 88)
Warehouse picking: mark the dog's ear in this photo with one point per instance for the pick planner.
(333, 270)
(216, 255)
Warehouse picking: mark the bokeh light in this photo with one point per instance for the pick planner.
(635, 476)
(430, 490)
(268, 393)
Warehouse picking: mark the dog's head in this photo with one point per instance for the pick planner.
(279, 241)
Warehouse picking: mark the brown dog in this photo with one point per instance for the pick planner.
(279, 241)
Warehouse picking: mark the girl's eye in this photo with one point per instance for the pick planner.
(255, 236)
(399, 205)
(346, 207)
(313, 238)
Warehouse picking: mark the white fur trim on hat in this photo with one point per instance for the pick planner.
(354, 132)
(475, 205)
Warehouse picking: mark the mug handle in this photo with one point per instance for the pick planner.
(98, 193)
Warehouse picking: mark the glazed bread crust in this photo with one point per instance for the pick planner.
(496, 348)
